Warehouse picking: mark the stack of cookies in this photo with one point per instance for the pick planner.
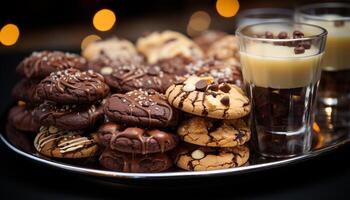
(215, 131)
(139, 132)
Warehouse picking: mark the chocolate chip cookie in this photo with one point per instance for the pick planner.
(203, 97)
(22, 119)
(72, 86)
(57, 143)
(137, 163)
(146, 108)
(167, 44)
(68, 117)
(214, 133)
(194, 158)
(41, 64)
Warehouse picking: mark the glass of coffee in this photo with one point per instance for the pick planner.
(281, 71)
(333, 113)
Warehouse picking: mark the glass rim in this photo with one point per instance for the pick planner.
(312, 37)
(299, 10)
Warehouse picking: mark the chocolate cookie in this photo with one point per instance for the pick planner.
(225, 49)
(72, 86)
(41, 64)
(22, 119)
(214, 133)
(68, 117)
(176, 65)
(201, 96)
(207, 38)
(113, 48)
(140, 108)
(53, 142)
(125, 162)
(106, 131)
(24, 90)
(167, 44)
(133, 77)
(194, 158)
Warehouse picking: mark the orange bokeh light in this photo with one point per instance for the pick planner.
(227, 8)
(104, 20)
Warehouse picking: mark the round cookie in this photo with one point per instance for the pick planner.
(72, 86)
(194, 158)
(207, 38)
(22, 119)
(125, 162)
(113, 48)
(140, 141)
(176, 65)
(106, 131)
(146, 108)
(225, 49)
(53, 142)
(167, 44)
(67, 117)
(201, 96)
(41, 64)
(24, 90)
(133, 76)
(214, 133)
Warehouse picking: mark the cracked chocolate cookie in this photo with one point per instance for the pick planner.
(146, 108)
(203, 97)
(24, 90)
(207, 38)
(22, 119)
(137, 163)
(214, 133)
(72, 86)
(194, 158)
(67, 117)
(57, 143)
(113, 48)
(167, 44)
(43, 63)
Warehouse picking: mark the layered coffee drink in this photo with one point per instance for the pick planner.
(282, 78)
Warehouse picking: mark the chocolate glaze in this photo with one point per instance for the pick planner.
(24, 90)
(41, 64)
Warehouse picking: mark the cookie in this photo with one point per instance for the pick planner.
(195, 158)
(41, 64)
(22, 119)
(72, 86)
(167, 44)
(220, 71)
(207, 38)
(146, 108)
(225, 49)
(201, 96)
(137, 163)
(68, 117)
(106, 131)
(214, 133)
(24, 90)
(176, 65)
(132, 77)
(21, 140)
(57, 143)
(113, 48)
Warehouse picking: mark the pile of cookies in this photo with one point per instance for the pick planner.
(128, 104)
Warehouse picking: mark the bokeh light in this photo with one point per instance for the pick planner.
(199, 22)
(104, 20)
(227, 8)
(88, 39)
(9, 34)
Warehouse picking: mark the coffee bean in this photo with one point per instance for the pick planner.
(214, 87)
(299, 49)
(283, 35)
(225, 88)
(339, 23)
(298, 34)
(225, 101)
(306, 44)
(201, 85)
(268, 35)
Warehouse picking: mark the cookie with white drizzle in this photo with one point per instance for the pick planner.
(58, 143)
(203, 97)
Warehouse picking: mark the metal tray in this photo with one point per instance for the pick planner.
(322, 144)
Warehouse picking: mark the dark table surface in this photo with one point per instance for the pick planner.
(326, 177)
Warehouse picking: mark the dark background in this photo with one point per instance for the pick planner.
(62, 25)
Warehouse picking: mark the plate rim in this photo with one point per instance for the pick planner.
(173, 175)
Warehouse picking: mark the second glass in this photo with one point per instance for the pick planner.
(281, 69)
